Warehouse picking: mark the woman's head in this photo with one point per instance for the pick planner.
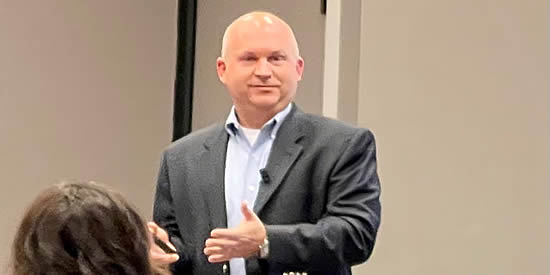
(81, 228)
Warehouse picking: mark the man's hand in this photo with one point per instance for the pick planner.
(158, 256)
(241, 241)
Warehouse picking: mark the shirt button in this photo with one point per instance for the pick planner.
(251, 188)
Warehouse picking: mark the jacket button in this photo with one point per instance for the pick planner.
(224, 268)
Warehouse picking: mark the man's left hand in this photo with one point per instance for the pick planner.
(241, 241)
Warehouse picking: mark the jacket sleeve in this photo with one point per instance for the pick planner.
(164, 216)
(346, 234)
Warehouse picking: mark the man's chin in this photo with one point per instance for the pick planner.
(266, 103)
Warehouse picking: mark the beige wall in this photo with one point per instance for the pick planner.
(457, 93)
(85, 93)
(211, 103)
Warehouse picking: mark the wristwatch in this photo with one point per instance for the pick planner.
(263, 251)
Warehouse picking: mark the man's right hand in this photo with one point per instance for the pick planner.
(158, 256)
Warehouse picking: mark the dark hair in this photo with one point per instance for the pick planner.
(81, 228)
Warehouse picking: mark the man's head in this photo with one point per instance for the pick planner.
(260, 63)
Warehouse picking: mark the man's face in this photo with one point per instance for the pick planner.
(260, 67)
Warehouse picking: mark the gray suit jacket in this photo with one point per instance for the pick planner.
(320, 205)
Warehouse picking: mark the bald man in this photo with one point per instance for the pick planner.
(273, 189)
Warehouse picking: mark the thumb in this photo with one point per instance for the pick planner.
(247, 213)
(152, 226)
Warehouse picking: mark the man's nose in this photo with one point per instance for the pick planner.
(263, 69)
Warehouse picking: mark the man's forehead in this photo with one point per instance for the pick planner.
(259, 30)
(265, 45)
(253, 30)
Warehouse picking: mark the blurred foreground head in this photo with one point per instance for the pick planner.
(81, 228)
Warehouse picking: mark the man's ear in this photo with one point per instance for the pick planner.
(300, 67)
(221, 68)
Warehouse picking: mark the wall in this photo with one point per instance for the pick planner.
(85, 93)
(457, 94)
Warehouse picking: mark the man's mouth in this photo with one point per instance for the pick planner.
(264, 86)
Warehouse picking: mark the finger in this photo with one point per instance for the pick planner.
(218, 258)
(212, 250)
(223, 243)
(159, 247)
(247, 213)
(156, 249)
(230, 233)
(160, 257)
(161, 234)
(153, 227)
(164, 259)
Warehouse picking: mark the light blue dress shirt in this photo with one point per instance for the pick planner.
(243, 162)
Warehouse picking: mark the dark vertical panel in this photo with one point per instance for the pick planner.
(183, 88)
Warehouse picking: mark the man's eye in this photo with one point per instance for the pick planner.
(249, 58)
(276, 58)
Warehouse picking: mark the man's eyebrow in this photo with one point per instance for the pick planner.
(247, 53)
(278, 53)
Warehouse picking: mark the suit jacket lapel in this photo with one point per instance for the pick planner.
(212, 173)
(284, 152)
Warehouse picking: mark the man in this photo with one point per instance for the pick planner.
(272, 190)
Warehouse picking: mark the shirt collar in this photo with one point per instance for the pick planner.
(232, 125)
